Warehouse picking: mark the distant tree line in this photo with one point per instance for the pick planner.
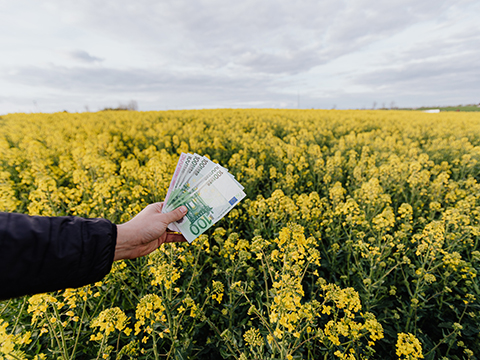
(132, 106)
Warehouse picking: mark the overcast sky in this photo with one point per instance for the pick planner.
(184, 54)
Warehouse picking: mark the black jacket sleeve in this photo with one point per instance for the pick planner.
(41, 254)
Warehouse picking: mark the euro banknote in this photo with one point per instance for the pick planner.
(207, 189)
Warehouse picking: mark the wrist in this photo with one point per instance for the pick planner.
(122, 248)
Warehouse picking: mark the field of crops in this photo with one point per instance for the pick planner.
(358, 238)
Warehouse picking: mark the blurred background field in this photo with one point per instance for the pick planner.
(358, 238)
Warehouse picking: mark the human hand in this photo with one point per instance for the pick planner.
(147, 231)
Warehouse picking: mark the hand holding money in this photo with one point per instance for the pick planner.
(146, 232)
(207, 190)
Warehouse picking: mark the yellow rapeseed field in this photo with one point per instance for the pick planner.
(358, 238)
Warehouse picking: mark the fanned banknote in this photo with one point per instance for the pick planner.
(208, 191)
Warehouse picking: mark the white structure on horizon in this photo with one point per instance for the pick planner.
(432, 111)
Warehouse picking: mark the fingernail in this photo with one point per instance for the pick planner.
(183, 209)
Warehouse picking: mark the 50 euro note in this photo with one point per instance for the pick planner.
(208, 202)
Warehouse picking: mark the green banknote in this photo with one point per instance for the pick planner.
(207, 189)
(179, 195)
(210, 202)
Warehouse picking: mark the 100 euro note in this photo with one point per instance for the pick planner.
(208, 191)
(177, 188)
(176, 174)
(208, 204)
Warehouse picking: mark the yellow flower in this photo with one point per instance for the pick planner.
(217, 291)
(38, 305)
(107, 321)
(409, 346)
(253, 338)
(150, 310)
(278, 333)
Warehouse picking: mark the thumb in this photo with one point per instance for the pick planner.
(175, 215)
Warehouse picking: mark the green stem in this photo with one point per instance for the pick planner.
(265, 279)
(155, 352)
(220, 336)
(194, 266)
(62, 335)
(454, 331)
(79, 328)
(413, 309)
(101, 347)
(6, 306)
(167, 294)
(133, 294)
(19, 314)
(14, 356)
(262, 319)
(53, 332)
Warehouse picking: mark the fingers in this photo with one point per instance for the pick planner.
(175, 215)
(174, 237)
(157, 207)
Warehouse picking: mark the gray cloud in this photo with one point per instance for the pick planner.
(134, 79)
(428, 75)
(83, 56)
(161, 88)
(446, 65)
(292, 37)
